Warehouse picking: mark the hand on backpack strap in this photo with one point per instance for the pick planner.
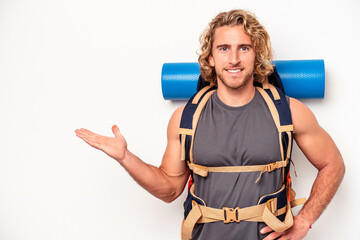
(297, 232)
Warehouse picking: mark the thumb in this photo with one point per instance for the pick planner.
(116, 131)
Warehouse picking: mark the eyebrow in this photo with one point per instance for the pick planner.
(228, 45)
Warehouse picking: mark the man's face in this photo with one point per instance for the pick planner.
(233, 57)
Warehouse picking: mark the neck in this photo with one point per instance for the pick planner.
(236, 97)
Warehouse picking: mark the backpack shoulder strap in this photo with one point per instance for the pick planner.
(190, 118)
(280, 111)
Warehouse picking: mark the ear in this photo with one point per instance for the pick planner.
(211, 61)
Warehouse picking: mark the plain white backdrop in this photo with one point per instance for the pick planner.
(75, 63)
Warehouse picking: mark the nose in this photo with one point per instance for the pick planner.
(234, 57)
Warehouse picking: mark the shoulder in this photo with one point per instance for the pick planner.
(303, 118)
(174, 122)
(176, 116)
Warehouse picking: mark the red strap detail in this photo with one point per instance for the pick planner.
(190, 182)
(288, 181)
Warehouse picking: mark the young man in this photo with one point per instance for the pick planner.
(235, 129)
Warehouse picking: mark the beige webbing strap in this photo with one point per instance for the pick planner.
(183, 132)
(273, 166)
(295, 202)
(275, 93)
(182, 146)
(287, 128)
(202, 214)
(203, 170)
(189, 223)
(228, 215)
(196, 119)
(288, 153)
(265, 212)
(274, 223)
(200, 93)
(274, 114)
(298, 202)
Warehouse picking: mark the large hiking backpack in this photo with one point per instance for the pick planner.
(273, 209)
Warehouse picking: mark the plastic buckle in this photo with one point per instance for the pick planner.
(272, 206)
(271, 167)
(231, 215)
(201, 170)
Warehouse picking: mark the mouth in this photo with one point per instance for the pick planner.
(235, 70)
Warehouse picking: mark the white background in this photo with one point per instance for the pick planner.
(89, 63)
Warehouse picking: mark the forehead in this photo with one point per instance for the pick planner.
(231, 35)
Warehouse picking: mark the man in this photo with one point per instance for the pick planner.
(235, 128)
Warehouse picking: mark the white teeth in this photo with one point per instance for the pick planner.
(234, 71)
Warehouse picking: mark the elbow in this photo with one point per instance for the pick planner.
(341, 167)
(339, 170)
(342, 170)
(169, 198)
(167, 194)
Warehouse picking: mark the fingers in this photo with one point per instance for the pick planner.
(266, 230)
(89, 137)
(84, 133)
(285, 237)
(116, 130)
(273, 235)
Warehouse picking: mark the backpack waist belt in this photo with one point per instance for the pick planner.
(266, 212)
(204, 170)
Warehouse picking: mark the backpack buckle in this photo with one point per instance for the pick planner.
(231, 215)
(271, 204)
(271, 167)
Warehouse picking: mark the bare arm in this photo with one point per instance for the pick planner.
(321, 151)
(166, 182)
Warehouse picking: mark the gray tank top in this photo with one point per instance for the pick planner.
(235, 136)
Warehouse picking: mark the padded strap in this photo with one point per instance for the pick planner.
(274, 114)
(186, 132)
(200, 94)
(196, 119)
(267, 85)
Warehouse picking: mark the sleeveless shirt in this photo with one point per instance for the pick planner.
(235, 136)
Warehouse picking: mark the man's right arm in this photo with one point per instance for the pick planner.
(166, 182)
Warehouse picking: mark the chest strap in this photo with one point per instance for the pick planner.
(203, 170)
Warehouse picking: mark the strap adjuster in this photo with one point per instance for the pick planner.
(271, 204)
(271, 167)
(231, 215)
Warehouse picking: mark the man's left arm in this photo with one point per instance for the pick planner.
(321, 151)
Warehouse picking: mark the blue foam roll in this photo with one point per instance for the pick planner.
(300, 78)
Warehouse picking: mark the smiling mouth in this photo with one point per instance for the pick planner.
(234, 70)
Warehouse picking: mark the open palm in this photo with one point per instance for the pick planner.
(115, 147)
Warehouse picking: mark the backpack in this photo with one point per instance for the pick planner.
(273, 209)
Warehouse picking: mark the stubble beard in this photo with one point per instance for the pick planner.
(237, 86)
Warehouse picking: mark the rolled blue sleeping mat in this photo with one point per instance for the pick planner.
(300, 78)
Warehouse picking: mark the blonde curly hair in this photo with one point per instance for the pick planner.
(253, 28)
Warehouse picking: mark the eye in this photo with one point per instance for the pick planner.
(223, 49)
(244, 48)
